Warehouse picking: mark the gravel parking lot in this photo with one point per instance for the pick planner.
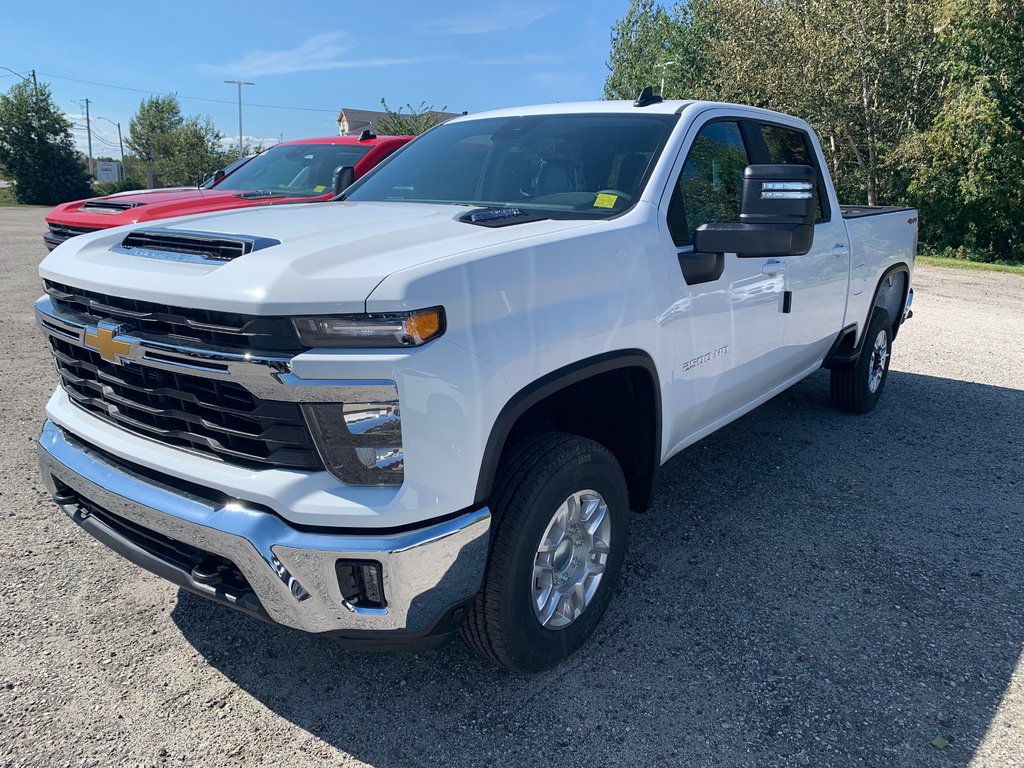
(810, 588)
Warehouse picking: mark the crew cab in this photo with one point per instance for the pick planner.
(292, 171)
(431, 406)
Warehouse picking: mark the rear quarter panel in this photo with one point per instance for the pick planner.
(877, 244)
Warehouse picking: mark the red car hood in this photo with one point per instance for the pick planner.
(152, 205)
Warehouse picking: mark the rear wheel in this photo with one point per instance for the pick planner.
(856, 389)
(561, 512)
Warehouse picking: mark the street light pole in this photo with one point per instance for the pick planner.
(88, 133)
(239, 83)
(119, 142)
(662, 66)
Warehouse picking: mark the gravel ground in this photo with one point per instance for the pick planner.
(810, 588)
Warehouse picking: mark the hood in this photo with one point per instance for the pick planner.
(320, 258)
(149, 205)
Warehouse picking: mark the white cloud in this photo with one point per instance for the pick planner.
(499, 17)
(320, 52)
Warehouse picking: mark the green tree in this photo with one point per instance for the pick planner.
(858, 70)
(966, 166)
(651, 44)
(151, 126)
(37, 151)
(641, 40)
(411, 123)
(190, 152)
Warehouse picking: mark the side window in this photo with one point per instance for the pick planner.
(711, 182)
(792, 147)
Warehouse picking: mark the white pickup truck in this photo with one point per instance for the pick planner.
(430, 405)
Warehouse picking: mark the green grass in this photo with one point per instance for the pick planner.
(939, 261)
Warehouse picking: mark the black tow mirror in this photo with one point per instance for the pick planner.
(776, 216)
(343, 177)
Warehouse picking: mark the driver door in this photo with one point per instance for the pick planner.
(726, 324)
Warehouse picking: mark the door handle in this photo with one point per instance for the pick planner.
(773, 267)
(840, 250)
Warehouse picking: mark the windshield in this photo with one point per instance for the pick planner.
(564, 166)
(293, 170)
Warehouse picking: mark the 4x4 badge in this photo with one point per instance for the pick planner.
(104, 340)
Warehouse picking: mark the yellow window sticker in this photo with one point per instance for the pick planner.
(320, 188)
(606, 201)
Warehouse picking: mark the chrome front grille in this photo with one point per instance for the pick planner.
(217, 418)
(58, 233)
(179, 325)
(67, 230)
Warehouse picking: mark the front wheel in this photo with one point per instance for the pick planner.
(562, 511)
(857, 389)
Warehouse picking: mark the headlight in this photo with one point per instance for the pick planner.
(360, 443)
(390, 329)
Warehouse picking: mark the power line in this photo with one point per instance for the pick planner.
(189, 98)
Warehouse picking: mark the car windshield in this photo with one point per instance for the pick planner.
(559, 166)
(293, 170)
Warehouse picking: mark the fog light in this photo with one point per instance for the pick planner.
(360, 443)
(361, 583)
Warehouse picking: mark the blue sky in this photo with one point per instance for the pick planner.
(468, 56)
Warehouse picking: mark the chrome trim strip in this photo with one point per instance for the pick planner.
(265, 376)
(156, 253)
(426, 571)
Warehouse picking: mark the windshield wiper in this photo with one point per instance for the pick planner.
(254, 193)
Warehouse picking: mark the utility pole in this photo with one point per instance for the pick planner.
(239, 83)
(88, 131)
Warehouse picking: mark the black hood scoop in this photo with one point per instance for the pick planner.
(190, 246)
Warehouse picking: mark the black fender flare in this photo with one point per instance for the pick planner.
(551, 383)
(843, 353)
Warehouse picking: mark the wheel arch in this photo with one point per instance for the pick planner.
(850, 341)
(568, 398)
(900, 303)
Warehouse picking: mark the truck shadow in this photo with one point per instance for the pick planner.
(809, 588)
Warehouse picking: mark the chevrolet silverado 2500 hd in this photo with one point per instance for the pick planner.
(292, 171)
(430, 406)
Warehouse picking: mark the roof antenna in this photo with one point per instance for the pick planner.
(367, 134)
(646, 97)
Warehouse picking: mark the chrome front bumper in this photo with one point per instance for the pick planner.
(426, 572)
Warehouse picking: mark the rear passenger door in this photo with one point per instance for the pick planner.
(819, 279)
(725, 325)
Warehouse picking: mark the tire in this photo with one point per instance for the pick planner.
(535, 482)
(856, 389)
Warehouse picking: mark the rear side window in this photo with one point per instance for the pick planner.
(711, 182)
(792, 147)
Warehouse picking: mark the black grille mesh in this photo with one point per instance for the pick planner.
(217, 418)
(62, 232)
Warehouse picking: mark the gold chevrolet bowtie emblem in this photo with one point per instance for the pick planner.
(103, 341)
